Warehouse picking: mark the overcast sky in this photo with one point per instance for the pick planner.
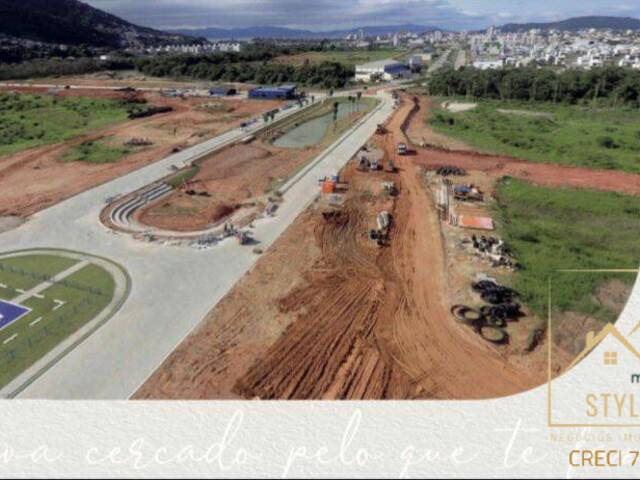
(338, 14)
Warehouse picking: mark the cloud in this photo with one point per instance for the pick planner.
(338, 14)
(312, 14)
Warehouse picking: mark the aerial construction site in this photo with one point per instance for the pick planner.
(371, 292)
(327, 246)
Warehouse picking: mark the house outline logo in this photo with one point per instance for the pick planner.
(619, 349)
(592, 341)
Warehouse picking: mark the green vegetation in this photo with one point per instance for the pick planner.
(346, 57)
(44, 265)
(559, 229)
(252, 65)
(183, 176)
(20, 66)
(95, 153)
(603, 138)
(32, 120)
(611, 86)
(59, 312)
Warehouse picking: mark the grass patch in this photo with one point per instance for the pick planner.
(26, 272)
(183, 176)
(96, 152)
(603, 138)
(557, 229)
(347, 57)
(85, 294)
(28, 121)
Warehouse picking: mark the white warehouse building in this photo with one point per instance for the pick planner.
(488, 64)
(381, 70)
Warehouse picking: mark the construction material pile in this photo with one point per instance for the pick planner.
(138, 142)
(492, 249)
(468, 193)
(492, 292)
(451, 171)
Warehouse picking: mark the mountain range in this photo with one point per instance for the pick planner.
(289, 33)
(577, 23)
(72, 22)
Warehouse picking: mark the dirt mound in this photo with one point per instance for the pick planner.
(221, 211)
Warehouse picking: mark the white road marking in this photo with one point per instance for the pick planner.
(35, 321)
(48, 283)
(10, 339)
(39, 295)
(2, 285)
(19, 290)
(59, 303)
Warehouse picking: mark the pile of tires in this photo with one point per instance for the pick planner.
(493, 293)
(490, 320)
(451, 171)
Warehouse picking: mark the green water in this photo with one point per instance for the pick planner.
(312, 132)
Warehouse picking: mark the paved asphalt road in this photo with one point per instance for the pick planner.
(173, 288)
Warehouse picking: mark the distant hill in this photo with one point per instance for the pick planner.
(578, 23)
(289, 33)
(72, 22)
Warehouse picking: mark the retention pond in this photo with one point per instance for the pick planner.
(312, 132)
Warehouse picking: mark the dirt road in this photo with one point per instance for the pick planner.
(327, 314)
(443, 151)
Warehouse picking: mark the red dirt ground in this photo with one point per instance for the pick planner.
(37, 178)
(238, 174)
(355, 322)
(326, 314)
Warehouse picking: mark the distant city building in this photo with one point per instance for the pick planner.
(381, 70)
(489, 64)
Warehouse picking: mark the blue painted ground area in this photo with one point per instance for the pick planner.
(10, 312)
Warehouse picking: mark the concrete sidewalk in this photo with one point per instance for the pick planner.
(172, 288)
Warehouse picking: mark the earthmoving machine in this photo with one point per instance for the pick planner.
(390, 188)
(381, 235)
(363, 163)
